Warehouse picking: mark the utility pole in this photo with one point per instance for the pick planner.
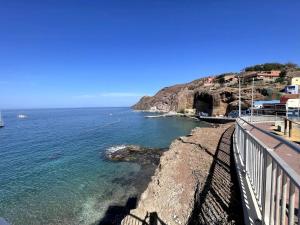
(252, 99)
(298, 104)
(239, 95)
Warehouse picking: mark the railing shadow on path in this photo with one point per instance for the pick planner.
(219, 202)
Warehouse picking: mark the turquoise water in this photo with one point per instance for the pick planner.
(52, 169)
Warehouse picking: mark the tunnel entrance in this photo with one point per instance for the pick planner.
(203, 102)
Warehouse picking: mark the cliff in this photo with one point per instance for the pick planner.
(174, 98)
(214, 99)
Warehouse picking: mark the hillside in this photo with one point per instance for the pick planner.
(212, 98)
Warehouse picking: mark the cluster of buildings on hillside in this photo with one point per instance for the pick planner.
(268, 76)
(289, 103)
(230, 79)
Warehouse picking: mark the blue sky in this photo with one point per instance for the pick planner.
(80, 53)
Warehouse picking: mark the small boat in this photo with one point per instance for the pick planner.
(1, 121)
(22, 116)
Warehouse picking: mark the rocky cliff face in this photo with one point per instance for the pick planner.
(173, 98)
(214, 99)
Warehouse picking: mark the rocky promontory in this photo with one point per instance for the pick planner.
(193, 182)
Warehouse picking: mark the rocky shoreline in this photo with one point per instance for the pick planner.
(180, 177)
(174, 180)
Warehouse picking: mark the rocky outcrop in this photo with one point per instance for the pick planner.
(183, 170)
(214, 99)
(174, 98)
(136, 154)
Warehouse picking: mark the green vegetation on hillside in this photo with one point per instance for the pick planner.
(220, 79)
(281, 77)
(271, 66)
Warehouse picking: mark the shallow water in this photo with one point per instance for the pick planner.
(52, 169)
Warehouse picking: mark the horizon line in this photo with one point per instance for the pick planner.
(80, 107)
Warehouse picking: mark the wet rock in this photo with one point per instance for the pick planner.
(136, 154)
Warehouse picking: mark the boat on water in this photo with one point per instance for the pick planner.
(1, 121)
(22, 116)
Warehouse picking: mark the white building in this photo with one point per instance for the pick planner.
(292, 89)
(260, 103)
(292, 106)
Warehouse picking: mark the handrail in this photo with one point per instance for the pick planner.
(288, 119)
(294, 175)
(279, 138)
(268, 177)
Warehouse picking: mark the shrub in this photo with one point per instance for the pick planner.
(271, 66)
(220, 79)
(279, 80)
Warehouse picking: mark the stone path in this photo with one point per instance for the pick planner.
(219, 201)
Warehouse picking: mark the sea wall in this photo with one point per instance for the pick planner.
(171, 195)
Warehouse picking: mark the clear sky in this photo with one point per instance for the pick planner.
(78, 53)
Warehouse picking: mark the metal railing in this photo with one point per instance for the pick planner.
(290, 127)
(263, 118)
(274, 184)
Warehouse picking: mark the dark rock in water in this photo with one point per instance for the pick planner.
(3, 222)
(137, 154)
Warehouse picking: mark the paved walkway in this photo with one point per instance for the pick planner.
(289, 155)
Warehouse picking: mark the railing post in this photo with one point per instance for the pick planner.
(273, 193)
(245, 151)
(283, 199)
(299, 207)
(285, 126)
(291, 204)
(290, 128)
(278, 195)
(267, 189)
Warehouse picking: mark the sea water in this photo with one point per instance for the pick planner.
(52, 164)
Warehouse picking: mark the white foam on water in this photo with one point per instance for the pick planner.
(92, 211)
(115, 148)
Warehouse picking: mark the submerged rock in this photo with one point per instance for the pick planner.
(136, 154)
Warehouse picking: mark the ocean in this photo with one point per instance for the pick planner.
(52, 164)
